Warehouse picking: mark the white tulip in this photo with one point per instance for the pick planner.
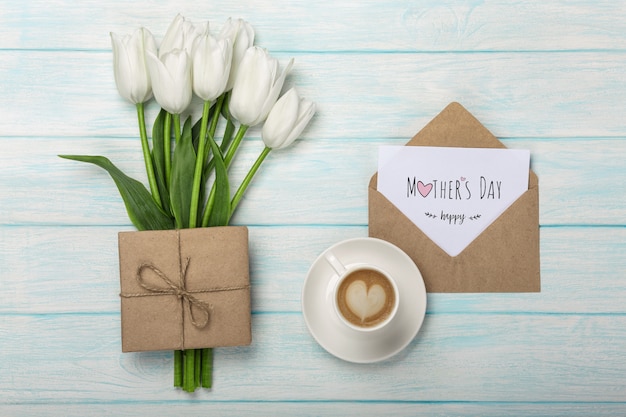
(171, 80)
(287, 119)
(241, 36)
(129, 63)
(257, 87)
(181, 34)
(211, 66)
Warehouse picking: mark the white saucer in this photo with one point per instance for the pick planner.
(344, 342)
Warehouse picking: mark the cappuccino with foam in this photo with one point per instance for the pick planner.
(365, 298)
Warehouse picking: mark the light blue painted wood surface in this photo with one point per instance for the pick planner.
(544, 76)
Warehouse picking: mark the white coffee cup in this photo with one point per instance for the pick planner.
(365, 297)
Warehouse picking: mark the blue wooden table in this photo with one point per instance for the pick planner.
(544, 76)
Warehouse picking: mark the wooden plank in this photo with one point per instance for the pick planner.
(455, 358)
(316, 181)
(491, 25)
(317, 409)
(72, 94)
(582, 271)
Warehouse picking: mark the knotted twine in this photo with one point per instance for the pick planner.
(186, 297)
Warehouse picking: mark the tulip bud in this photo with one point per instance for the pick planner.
(171, 80)
(287, 119)
(181, 34)
(257, 87)
(211, 66)
(129, 63)
(241, 36)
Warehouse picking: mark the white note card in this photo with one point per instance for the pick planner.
(452, 194)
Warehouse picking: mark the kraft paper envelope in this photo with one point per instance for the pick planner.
(504, 258)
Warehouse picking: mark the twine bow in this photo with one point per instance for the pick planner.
(181, 292)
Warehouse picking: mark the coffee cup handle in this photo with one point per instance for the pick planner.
(335, 263)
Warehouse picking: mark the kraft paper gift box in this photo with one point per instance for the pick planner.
(184, 289)
(503, 258)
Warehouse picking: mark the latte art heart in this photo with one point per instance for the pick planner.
(365, 302)
(365, 298)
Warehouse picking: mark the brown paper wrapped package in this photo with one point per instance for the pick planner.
(184, 289)
(504, 258)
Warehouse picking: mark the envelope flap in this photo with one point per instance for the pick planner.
(455, 127)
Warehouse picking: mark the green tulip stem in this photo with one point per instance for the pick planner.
(229, 130)
(197, 175)
(178, 368)
(230, 154)
(146, 154)
(198, 369)
(208, 207)
(167, 146)
(207, 368)
(216, 115)
(228, 135)
(248, 179)
(177, 133)
(189, 380)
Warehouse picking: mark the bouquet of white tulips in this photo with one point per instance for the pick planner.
(186, 165)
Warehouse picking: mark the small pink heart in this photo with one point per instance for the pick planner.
(463, 178)
(424, 190)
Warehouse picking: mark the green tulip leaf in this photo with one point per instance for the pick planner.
(142, 210)
(158, 157)
(229, 131)
(181, 181)
(220, 212)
